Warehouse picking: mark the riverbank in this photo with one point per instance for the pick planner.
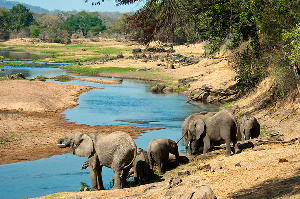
(264, 171)
(31, 119)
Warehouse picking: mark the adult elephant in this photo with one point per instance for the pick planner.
(221, 126)
(158, 152)
(249, 128)
(116, 150)
(190, 139)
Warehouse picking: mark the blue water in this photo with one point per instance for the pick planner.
(130, 100)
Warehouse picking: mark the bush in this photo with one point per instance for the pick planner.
(36, 32)
(284, 78)
(250, 70)
(63, 78)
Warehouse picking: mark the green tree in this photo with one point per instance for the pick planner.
(84, 21)
(19, 17)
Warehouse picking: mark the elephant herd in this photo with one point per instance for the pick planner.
(206, 128)
(118, 151)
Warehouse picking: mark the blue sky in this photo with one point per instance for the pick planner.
(79, 5)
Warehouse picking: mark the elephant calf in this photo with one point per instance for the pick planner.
(249, 128)
(158, 152)
(141, 167)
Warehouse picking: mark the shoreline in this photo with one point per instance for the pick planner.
(33, 122)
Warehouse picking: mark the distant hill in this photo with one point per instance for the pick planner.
(10, 4)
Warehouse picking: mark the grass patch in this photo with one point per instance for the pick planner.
(68, 53)
(63, 78)
(226, 106)
(92, 71)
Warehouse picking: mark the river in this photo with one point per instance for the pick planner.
(130, 100)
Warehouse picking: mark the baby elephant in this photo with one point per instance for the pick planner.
(249, 128)
(141, 167)
(158, 152)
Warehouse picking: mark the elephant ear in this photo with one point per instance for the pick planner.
(200, 129)
(84, 146)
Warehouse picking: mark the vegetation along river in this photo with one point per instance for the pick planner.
(116, 104)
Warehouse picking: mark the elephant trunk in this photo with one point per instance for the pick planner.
(63, 142)
(247, 134)
(189, 148)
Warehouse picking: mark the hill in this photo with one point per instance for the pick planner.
(10, 4)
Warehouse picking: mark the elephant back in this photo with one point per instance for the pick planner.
(116, 147)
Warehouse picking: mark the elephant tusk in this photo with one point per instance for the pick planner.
(61, 145)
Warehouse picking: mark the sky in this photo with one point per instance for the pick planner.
(79, 5)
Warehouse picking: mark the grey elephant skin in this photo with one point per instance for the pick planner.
(249, 128)
(116, 150)
(158, 152)
(188, 130)
(141, 167)
(220, 127)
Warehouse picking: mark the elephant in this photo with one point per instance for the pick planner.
(249, 128)
(141, 167)
(219, 127)
(116, 150)
(158, 152)
(188, 131)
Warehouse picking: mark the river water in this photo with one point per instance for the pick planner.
(130, 100)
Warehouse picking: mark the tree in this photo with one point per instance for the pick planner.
(19, 16)
(84, 21)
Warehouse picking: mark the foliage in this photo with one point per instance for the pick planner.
(19, 16)
(41, 78)
(250, 69)
(36, 32)
(292, 44)
(90, 70)
(84, 22)
(63, 78)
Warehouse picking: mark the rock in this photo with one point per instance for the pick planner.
(175, 182)
(202, 96)
(143, 69)
(237, 164)
(184, 173)
(185, 82)
(159, 88)
(281, 160)
(17, 76)
(136, 50)
(204, 166)
(204, 192)
(171, 66)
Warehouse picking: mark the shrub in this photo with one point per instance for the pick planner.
(63, 78)
(250, 69)
(284, 78)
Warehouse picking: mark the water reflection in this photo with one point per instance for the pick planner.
(22, 55)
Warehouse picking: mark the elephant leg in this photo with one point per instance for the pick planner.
(124, 177)
(100, 182)
(235, 145)
(117, 178)
(160, 165)
(228, 148)
(95, 173)
(206, 142)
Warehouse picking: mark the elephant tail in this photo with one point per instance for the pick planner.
(131, 163)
